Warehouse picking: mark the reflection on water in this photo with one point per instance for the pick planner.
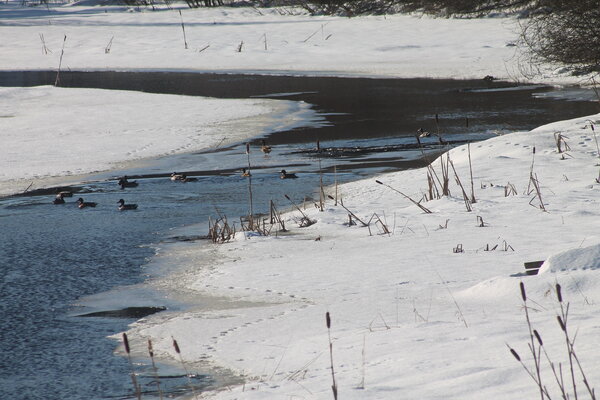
(53, 255)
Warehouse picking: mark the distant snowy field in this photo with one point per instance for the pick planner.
(411, 318)
(281, 41)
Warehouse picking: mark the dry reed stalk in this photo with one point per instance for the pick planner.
(45, 50)
(154, 369)
(305, 220)
(445, 175)
(460, 313)
(384, 227)
(321, 191)
(425, 209)
(533, 180)
(62, 53)
(473, 200)
(336, 184)
(185, 44)
(138, 393)
(108, 46)
(509, 190)
(334, 384)
(187, 373)
(465, 196)
(351, 213)
(537, 347)
(251, 215)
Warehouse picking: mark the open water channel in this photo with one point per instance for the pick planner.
(56, 261)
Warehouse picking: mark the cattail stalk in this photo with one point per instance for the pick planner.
(154, 369)
(187, 373)
(136, 386)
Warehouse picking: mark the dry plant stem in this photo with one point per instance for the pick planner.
(62, 52)
(251, 216)
(532, 346)
(518, 358)
(321, 191)
(473, 200)
(334, 385)
(563, 322)
(297, 208)
(425, 209)
(465, 196)
(350, 212)
(136, 386)
(185, 45)
(154, 369)
(187, 373)
(462, 317)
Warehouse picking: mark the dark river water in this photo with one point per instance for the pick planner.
(52, 256)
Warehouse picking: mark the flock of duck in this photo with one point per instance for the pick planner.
(124, 182)
(60, 199)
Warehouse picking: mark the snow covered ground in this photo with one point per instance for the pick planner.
(411, 318)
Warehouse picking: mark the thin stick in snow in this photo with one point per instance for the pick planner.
(425, 209)
(183, 29)
(62, 52)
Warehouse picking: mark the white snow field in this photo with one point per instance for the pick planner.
(57, 135)
(412, 318)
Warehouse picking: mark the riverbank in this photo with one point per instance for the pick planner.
(424, 311)
(412, 315)
(280, 41)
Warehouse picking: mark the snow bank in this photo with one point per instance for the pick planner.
(587, 258)
(55, 134)
(279, 41)
(423, 312)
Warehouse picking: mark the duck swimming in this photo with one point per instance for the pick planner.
(123, 206)
(177, 177)
(246, 173)
(84, 204)
(123, 182)
(264, 148)
(59, 199)
(284, 175)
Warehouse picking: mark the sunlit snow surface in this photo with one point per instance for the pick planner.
(411, 318)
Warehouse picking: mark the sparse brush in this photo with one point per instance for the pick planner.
(509, 190)
(537, 348)
(561, 143)
(219, 231)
